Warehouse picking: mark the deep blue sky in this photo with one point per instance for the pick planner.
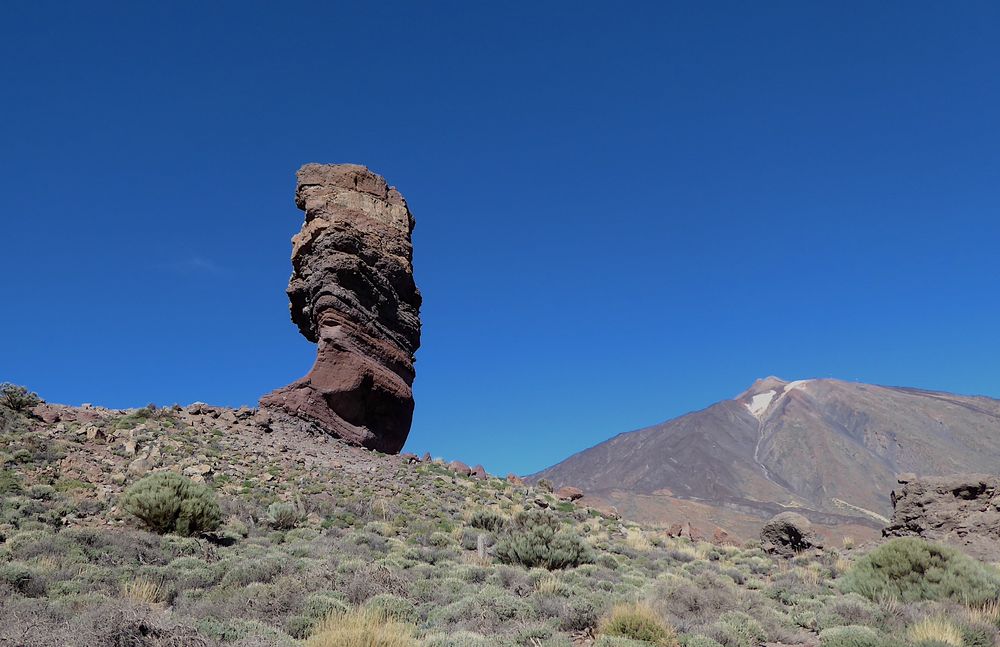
(624, 211)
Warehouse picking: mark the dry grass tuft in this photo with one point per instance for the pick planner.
(988, 613)
(142, 590)
(937, 631)
(550, 585)
(637, 540)
(361, 628)
(638, 622)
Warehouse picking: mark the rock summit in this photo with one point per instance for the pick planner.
(352, 292)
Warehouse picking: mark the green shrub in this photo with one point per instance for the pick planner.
(488, 520)
(849, 609)
(284, 516)
(535, 538)
(619, 641)
(737, 629)
(853, 636)
(17, 398)
(911, 569)
(698, 640)
(168, 502)
(393, 607)
(638, 622)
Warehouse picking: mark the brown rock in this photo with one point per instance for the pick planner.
(479, 472)
(721, 537)
(409, 458)
(568, 493)
(961, 510)
(788, 533)
(460, 468)
(514, 479)
(352, 292)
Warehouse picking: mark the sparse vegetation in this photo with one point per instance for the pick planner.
(406, 553)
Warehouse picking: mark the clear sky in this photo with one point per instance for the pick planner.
(625, 211)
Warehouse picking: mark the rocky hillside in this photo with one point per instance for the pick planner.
(827, 448)
(322, 544)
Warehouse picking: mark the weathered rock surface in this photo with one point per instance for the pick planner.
(352, 292)
(961, 510)
(788, 533)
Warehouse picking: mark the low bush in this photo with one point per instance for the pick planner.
(638, 622)
(737, 629)
(911, 569)
(393, 607)
(535, 538)
(168, 502)
(284, 516)
(488, 520)
(17, 398)
(853, 636)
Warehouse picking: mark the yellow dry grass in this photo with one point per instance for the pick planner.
(142, 590)
(361, 628)
(637, 540)
(988, 613)
(935, 630)
(842, 565)
(550, 585)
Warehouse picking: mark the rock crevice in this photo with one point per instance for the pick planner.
(352, 292)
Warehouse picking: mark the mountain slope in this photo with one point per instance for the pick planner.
(828, 447)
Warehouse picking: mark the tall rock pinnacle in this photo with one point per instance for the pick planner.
(352, 292)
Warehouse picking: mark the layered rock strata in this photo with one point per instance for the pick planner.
(352, 292)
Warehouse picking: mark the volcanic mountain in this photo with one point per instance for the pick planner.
(828, 449)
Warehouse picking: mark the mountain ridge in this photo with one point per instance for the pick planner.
(825, 447)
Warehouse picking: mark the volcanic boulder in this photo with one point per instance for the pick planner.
(788, 533)
(352, 292)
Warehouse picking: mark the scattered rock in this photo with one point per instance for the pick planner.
(514, 479)
(94, 432)
(352, 292)
(198, 470)
(568, 493)
(721, 537)
(460, 468)
(409, 458)
(788, 533)
(961, 510)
